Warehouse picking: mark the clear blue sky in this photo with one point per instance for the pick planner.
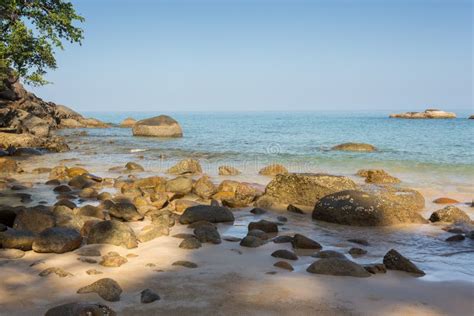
(233, 55)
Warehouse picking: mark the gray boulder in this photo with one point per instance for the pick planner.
(35, 219)
(106, 288)
(113, 233)
(393, 260)
(57, 240)
(213, 214)
(339, 267)
(17, 239)
(360, 208)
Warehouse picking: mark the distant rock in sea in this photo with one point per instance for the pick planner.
(427, 114)
(355, 147)
(158, 126)
(128, 122)
(471, 117)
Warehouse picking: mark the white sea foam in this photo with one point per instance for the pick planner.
(137, 150)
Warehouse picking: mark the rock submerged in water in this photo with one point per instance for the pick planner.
(148, 296)
(358, 147)
(159, 126)
(427, 114)
(338, 267)
(360, 208)
(393, 260)
(305, 188)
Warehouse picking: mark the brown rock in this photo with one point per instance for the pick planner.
(273, 170)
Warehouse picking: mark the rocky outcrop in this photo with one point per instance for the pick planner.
(28, 121)
(305, 188)
(427, 114)
(360, 208)
(361, 147)
(159, 126)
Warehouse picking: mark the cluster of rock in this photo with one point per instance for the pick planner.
(28, 121)
(191, 198)
(427, 114)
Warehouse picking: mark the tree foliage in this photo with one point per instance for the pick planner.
(30, 33)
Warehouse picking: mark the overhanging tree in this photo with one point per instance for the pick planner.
(30, 32)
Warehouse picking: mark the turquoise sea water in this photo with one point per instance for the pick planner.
(302, 141)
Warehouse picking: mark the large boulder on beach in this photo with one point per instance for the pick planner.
(125, 211)
(80, 309)
(360, 147)
(305, 188)
(450, 214)
(427, 114)
(159, 126)
(128, 122)
(186, 166)
(34, 219)
(358, 208)
(57, 240)
(213, 214)
(17, 239)
(404, 197)
(112, 232)
(339, 267)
